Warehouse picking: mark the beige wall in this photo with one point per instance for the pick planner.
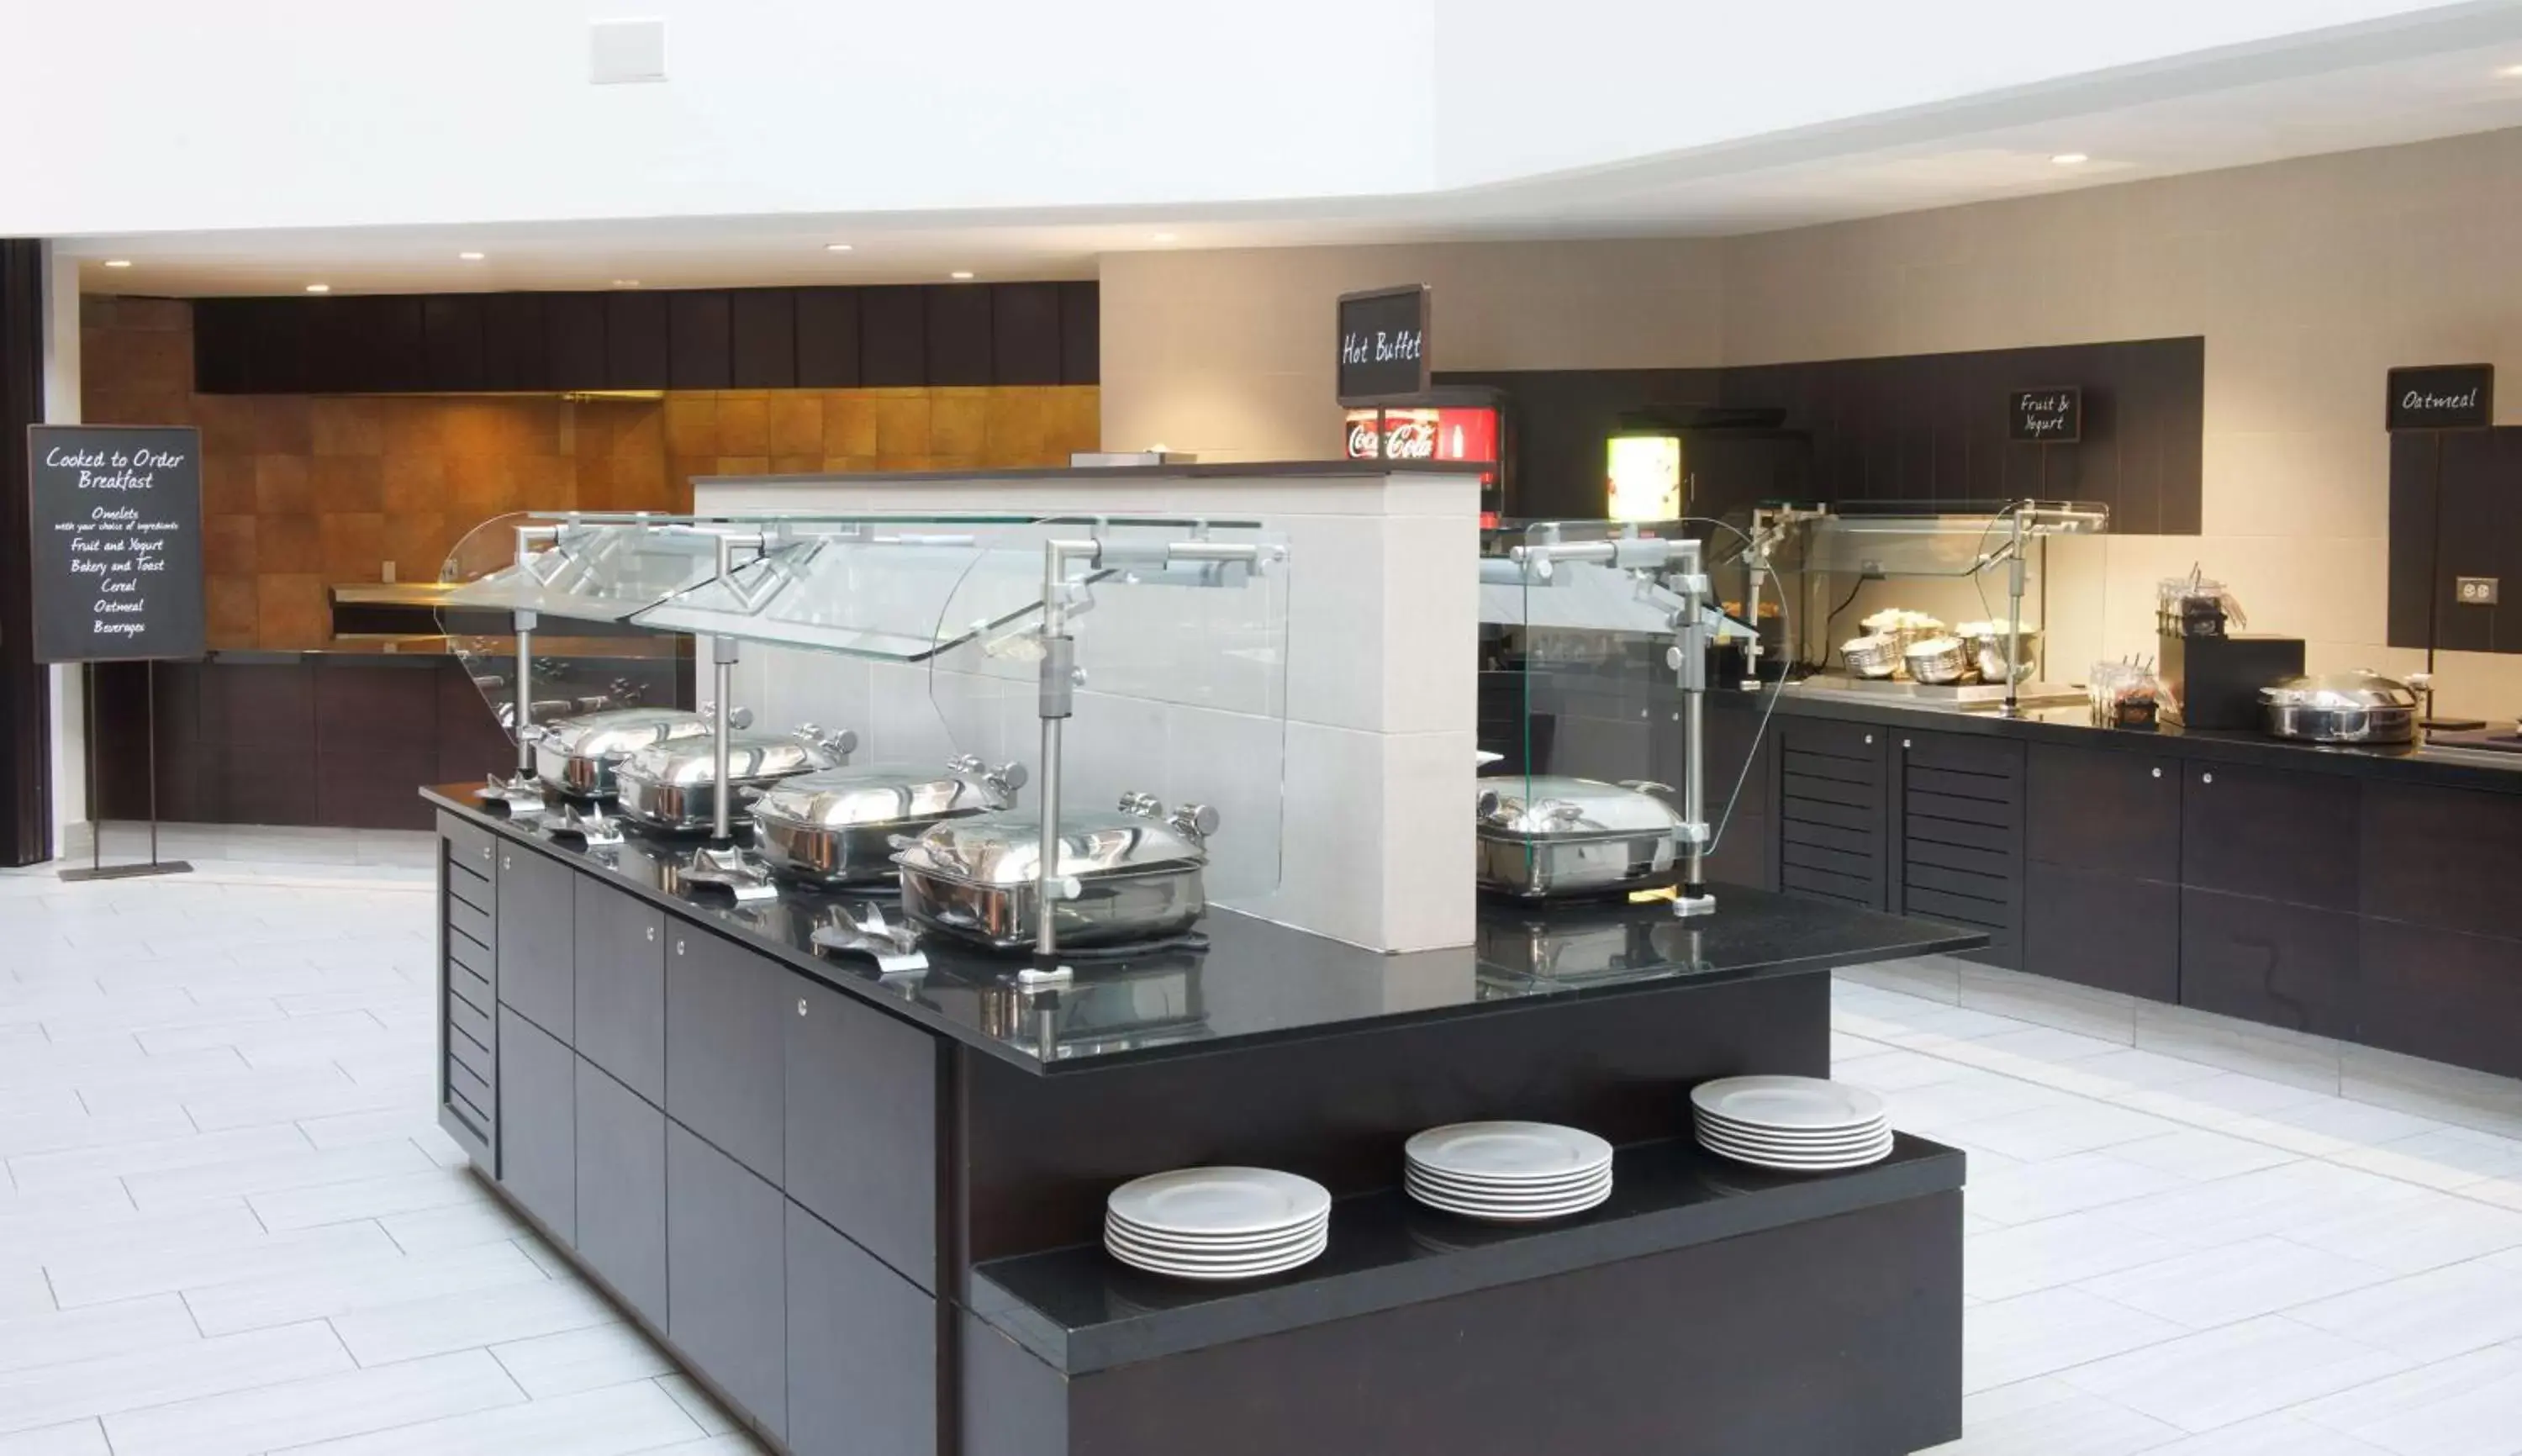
(1228, 354)
(2308, 279)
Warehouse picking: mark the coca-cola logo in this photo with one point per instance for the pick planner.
(1409, 440)
(1361, 440)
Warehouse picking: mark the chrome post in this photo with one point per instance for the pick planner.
(722, 651)
(2015, 581)
(526, 623)
(1057, 700)
(1690, 667)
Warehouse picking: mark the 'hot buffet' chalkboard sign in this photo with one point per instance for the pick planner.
(2045, 417)
(1384, 345)
(2443, 396)
(116, 544)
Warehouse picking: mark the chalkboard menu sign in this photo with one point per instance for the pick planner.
(1384, 345)
(2443, 396)
(117, 543)
(2053, 416)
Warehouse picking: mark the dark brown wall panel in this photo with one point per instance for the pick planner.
(763, 323)
(828, 337)
(25, 700)
(514, 353)
(637, 353)
(893, 338)
(1024, 333)
(453, 338)
(1081, 333)
(574, 338)
(701, 340)
(959, 336)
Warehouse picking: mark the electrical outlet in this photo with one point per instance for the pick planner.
(2474, 592)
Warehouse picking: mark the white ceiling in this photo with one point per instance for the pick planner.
(2207, 112)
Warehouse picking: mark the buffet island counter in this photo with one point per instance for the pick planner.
(864, 1204)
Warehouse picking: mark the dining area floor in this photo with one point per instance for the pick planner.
(229, 1226)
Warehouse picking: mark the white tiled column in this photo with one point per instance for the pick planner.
(69, 725)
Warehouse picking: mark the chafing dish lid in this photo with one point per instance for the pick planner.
(2340, 692)
(1548, 807)
(621, 731)
(1005, 848)
(887, 793)
(684, 762)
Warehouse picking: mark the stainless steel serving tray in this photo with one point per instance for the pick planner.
(577, 756)
(1546, 836)
(838, 827)
(674, 785)
(1125, 876)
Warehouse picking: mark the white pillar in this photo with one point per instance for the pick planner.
(62, 407)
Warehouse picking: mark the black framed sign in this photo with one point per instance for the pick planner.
(2051, 416)
(2443, 396)
(1384, 345)
(117, 544)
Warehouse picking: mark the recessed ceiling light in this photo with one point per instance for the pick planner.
(837, 246)
(471, 257)
(320, 288)
(960, 275)
(117, 262)
(626, 283)
(1168, 237)
(2071, 159)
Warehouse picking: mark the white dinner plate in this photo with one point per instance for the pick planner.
(1158, 1244)
(1505, 1213)
(1253, 1270)
(1496, 1152)
(1220, 1201)
(1512, 1192)
(1201, 1258)
(1814, 1165)
(1796, 1104)
(1744, 1134)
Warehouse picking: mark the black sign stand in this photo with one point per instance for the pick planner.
(97, 869)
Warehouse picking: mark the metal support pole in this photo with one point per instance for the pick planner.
(525, 712)
(1688, 662)
(722, 652)
(2014, 585)
(1058, 702)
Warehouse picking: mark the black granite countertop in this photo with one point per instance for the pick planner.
(1257, 980)
(1190, 470)
(2071, 723)
(1081, 1311)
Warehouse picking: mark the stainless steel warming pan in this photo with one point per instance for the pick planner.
(577, 756)
(2357, 707)
(838, 827)
(674, 785)
(1126, 877)
(1546, 836)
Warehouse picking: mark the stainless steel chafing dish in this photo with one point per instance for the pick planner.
(2357, 707)
(674, 785)
(1120, 878)
(838, 827)
(577, 756)
(1546, 836)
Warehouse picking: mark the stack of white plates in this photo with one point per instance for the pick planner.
(1513, 1172)
(1218, 1223)
(1800, 1124)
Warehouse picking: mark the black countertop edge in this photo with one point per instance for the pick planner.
(329, 657)
(1080, 1310)
(964, 972)
(2070, 726)
(1219, 470)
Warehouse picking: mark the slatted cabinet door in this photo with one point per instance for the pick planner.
(468, 991)
(1830, 828)
(1960, 830)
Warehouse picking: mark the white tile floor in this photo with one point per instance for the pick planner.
(230, 1227)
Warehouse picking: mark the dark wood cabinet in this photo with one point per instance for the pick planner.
(893, 337)
(1833, 829)
(763, 325)
(862, 1351)
(725, 1270)
(1081, 333)
(2276, 834)
(537, 959)
(516, 353)
(537, 1123)
(727, 1010)
(639, 351)
(618, 955)
(959, 336)
(2103, 812)
(1959, 828)
(468, 1040)
(700, 338)
(828, 337)
(575, 346)
(2448, 859)
(2441, 995)
(2270, 961)
(621, 1145)
(2102, 931)
(861, 1126)
(1024, 333)
(453, 342)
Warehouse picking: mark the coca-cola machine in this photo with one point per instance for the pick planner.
(1446, 424)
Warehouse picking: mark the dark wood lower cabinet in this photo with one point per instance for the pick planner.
(862, 1351)
(620, 987)
(726, 1014)
(2103, 930)
(2267, 961)
(726, 1273)
(861, 1126)
(621, 1190)
(537, 1125)
(2441, 995)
